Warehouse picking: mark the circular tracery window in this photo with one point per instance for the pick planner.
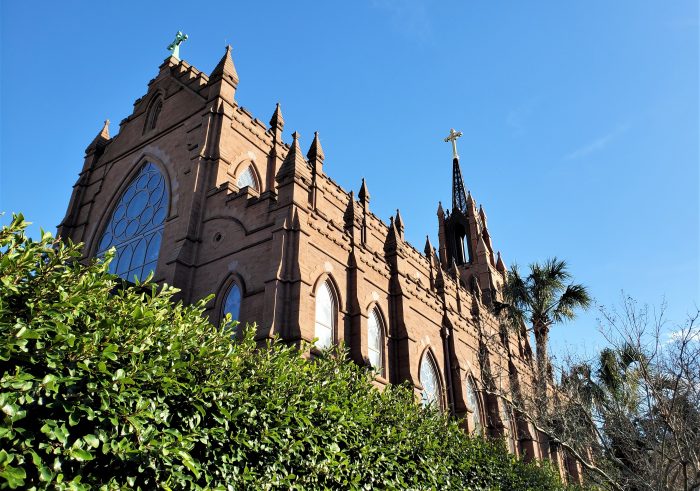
(136, 226)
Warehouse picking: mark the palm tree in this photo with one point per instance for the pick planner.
(542, 299)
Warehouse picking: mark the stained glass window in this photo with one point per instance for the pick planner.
(247, 178)
(430, 381)
(232, 302)
(135, 228)
(325, 315)
(473, 406)
(375, 342)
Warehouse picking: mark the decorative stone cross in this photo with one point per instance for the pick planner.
(452, 137)
(175, 45)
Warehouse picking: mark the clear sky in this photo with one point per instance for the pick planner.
(580, 119)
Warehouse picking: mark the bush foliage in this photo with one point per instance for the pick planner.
(110, 388)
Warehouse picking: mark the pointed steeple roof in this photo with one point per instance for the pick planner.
(428, 248)
(399, 222)
(363, 195)
(459, 197)
(315, 150)
(225, 69)
(101, 138)
(294, 162)
(500, 266)
(277, 121)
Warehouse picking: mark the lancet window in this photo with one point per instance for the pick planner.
(326, 313)
(473, 407)
(430, 381)
(247, 178)
(232, 302)
(375, 341)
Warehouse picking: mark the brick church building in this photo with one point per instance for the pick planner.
(210, 199)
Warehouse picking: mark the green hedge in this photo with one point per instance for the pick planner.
(120, 388)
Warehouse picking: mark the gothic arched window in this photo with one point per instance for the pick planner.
(135, 227)
(507, 422)
(430, 381)
(153, 113)
(473, 406)
(247, 178)
(325, 315)
(232, 302)
(375, 341)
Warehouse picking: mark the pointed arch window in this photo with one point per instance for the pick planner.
(473, 406)
(153, 113)
(135, 228)
(326, 312)
(430, 381)
(375, 341)
(507, 422)
(232, 302)
(247, 178)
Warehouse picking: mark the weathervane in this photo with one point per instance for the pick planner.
(452, 137)
(175, 45)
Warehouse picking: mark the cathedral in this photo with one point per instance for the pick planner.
(197, 191)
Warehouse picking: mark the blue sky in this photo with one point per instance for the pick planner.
(580, 119)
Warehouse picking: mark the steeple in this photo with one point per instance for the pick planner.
(459, 198)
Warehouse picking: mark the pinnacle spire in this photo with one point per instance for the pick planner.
(105, 130)
(500, 266)
(428, 248)
(399, 222)
(277, 121)
(225, 69)
(315, 150)
(363, 194)
(440, 211)
(294, 162)
(101, 139)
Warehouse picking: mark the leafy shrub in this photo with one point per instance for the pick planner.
(113, 387)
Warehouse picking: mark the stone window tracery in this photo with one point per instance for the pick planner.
(430, 381)
(375, 341)
(326, 312)
(135, 227)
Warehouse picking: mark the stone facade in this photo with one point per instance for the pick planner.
(291, 229)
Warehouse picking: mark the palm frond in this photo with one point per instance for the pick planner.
(575, 296)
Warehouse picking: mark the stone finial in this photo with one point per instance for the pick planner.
(105, 130)
(294, 162)
(225, 69)
(429, 249)
(277, 121)
(399, 222)
(315, 151)
(455, 270)
(363, 195)
(470, 200)
(500, 266)
(482, 215)
(101, 139)
(440, 211)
